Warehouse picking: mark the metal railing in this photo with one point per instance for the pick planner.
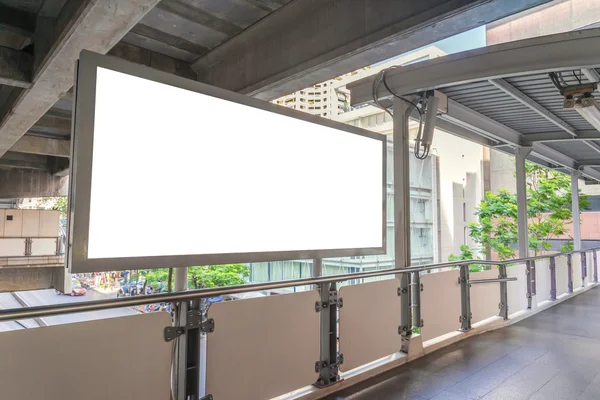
(27, 249)
(197, 322)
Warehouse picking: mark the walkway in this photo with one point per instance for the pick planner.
(554, 355)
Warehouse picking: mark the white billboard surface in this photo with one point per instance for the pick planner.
(176, 172)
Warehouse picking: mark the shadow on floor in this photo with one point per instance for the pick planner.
(554, 355)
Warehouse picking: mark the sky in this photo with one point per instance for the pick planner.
(468, 40)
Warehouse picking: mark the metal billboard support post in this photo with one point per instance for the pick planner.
(181, 359)
(402, 111)
(503, 292)
(465, 298)
(328, 365)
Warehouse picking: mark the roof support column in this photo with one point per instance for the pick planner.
(400, 137)
(575, 175)
(520, 156)
(401, 184)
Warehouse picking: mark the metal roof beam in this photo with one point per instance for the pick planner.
(560, 137)
(465, 117)
(467, 120)
(532, 104)
(560, 52)
(591, 74)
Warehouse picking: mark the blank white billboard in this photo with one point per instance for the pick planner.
(170, 172)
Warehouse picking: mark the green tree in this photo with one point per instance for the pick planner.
(548, 211)
(207, 276)
(466, 254)
(56, 203)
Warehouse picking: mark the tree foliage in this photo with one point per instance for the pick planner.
(548, 211)
(57, 204)
(466, 254)
(198, 277)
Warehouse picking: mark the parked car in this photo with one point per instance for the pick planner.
(76, 289)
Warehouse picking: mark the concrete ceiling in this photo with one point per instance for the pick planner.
(264, 48)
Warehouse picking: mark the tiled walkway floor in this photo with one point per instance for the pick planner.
(554, 355)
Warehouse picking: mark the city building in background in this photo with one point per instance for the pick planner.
(441, 191)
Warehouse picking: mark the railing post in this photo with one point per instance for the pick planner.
(533, 278)
(465, 298)
(552, 278)
(594, 254)
(531, 284)
(583, 268)
(328, 365)
(570, 272)
(503, 292)
(417, 322)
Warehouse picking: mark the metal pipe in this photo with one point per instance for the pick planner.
(496, 280)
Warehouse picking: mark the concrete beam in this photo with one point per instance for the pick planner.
(22, 160)
(15, 67)
(152, 59)
(23, 183)
(95, 25)
(531, 138)
(44, 146)
(14, 279)
(16, 27)
(58, 166)
(309, 41)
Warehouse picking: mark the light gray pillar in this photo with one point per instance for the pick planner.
(520, 156)
(575, 175)
(181, 282)
(401, 184)
(402, 214)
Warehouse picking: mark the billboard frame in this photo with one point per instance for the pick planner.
(82, 138)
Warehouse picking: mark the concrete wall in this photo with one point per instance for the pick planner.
(20, 183)
(502, 172)
(461, 182)
(556, 17)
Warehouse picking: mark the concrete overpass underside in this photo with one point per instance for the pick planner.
(264, 48)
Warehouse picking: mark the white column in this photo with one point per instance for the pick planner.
(575, 175)
(401, 185)
(520, 156)
(181, 282)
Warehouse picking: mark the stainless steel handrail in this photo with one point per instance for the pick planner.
(59, 309)
(498, 280)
